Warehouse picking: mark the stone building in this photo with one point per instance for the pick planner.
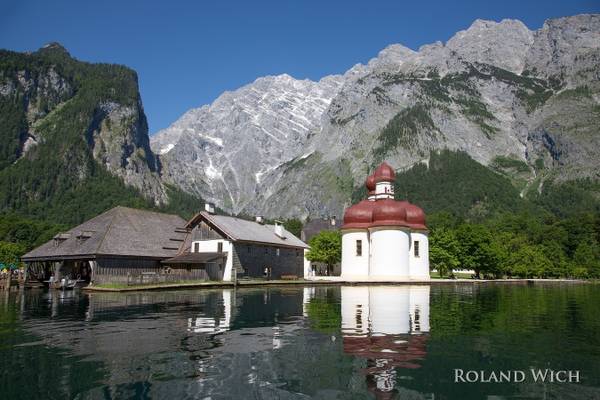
(251, 249)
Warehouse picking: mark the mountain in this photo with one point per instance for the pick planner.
(74, 138)
(522, 103)
(225, 151)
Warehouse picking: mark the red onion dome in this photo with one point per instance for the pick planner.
(370, 183)
(384, 173)
(359, 215)
(389, 212)
(415, 217)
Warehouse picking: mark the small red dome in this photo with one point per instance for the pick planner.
(415, 217)
(384, 173)
(359, 215)
(370, 183)
(389, 212)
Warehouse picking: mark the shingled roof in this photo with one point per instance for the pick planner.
(120, 231)
(241, 230)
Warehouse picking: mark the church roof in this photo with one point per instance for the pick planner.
(384, 173)
(120, 231)
(383, 212)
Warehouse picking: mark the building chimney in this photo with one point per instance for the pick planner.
(279, 229)
(209, 208)
(259, 219)
(333, 222)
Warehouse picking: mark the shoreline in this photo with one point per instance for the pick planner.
(303, 282)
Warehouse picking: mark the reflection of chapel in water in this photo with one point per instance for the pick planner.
(233, 342)
(389, 327)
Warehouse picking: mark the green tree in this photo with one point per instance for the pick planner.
(326, 247)
(10, 253)
(528, 261)
(443, 251)
(476, 249)
(294, 226)
(587, 258)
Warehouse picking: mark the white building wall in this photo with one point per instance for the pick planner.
(307, 269)
(419, 266)
(355, 268)
(389, 254)
(211, 246)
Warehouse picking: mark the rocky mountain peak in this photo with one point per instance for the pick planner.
(224, 150)
(504, 44)
(390, 57)
(287, 147)
(53, 47)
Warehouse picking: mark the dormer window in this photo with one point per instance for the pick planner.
(61, 237)
(83, 236)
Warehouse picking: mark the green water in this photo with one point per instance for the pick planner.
(402, 342)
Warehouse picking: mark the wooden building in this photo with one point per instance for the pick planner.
(252, 249)
(132, 247)
(122, 245)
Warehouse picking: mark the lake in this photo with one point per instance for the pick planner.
(322, 342)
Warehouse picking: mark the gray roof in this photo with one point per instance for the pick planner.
(249, 231)
(120, 231)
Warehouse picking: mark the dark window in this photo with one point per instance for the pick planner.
(220, 247)
(196, 247)
(266, 250)
(249, 248)
(416, 248)
(359, 248)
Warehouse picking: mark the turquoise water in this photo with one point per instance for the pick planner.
(402, 342)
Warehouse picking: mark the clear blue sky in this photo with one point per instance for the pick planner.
(187, 53)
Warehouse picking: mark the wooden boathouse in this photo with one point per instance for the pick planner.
(122, 245)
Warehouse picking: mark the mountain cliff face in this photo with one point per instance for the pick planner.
(224, 151)
(72, 133)
(497, 91)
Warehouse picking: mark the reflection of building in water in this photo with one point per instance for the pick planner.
(389, 327)
(213, 324)
(307, 294)
(258, 343)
